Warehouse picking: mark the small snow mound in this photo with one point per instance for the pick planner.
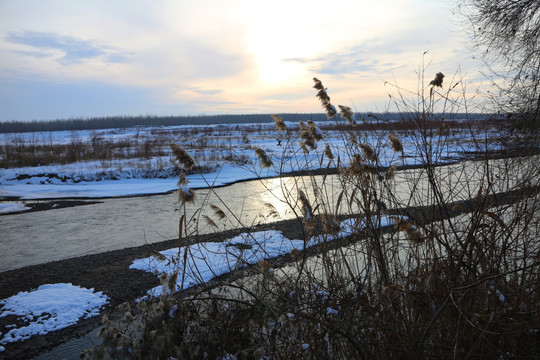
(48, 308)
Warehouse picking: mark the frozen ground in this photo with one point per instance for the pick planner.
(229, 156)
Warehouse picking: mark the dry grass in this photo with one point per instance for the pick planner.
(456, 275)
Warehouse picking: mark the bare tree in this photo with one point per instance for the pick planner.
(508, 33)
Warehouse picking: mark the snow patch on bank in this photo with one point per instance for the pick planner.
(49, 308)
(10, 207)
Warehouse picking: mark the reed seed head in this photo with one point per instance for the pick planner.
(397, 146)
(328, 152)
(352, 138)
(438, 80)
(185, 195)
(322, 95)
(368, 151)
(279, 124)
(414, 236)
(331, 225)
(209, 221)
(264, 266)
(272, 211)
(218, 212)
(157, 255)
(171, 282)
(391, 290)
(307, 210)
(182, 180)
(296, 254)
(263, 158)
(182, 156)
(389, 175)
(347, 113)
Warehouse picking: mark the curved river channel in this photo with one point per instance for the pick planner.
(43, 236)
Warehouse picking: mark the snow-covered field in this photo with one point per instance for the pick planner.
(228, 155)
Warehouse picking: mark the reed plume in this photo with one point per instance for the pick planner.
(315, 131)
(157, 255)
(263, 158)
(185, 195)
(272, 211)
(438, 80)
(182, 156)
(218, 212)
(279, 124)
(171, 282)
(397, 146)
(209, 221)
(389, 174)
(182, 180)
(368, 151)
(322, 95)
(328, 152)
(307, 210)
(347, 113)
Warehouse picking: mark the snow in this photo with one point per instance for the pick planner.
(49, 308)
(114, 178)
(9, 207)
(208, 260)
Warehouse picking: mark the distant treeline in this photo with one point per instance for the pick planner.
(134, 121)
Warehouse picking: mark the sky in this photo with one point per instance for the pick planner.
(74, 58)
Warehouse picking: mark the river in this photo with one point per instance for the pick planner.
(116, 223)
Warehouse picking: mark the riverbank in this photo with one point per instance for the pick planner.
(108, 272)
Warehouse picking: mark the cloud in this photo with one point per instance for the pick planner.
(357, 60)
(206, 91)
(73, 50)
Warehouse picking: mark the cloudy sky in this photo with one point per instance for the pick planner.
(75, 58)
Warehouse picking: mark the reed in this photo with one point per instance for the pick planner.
(423, 262)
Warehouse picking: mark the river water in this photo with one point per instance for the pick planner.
(39, 237)
(44, 236)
